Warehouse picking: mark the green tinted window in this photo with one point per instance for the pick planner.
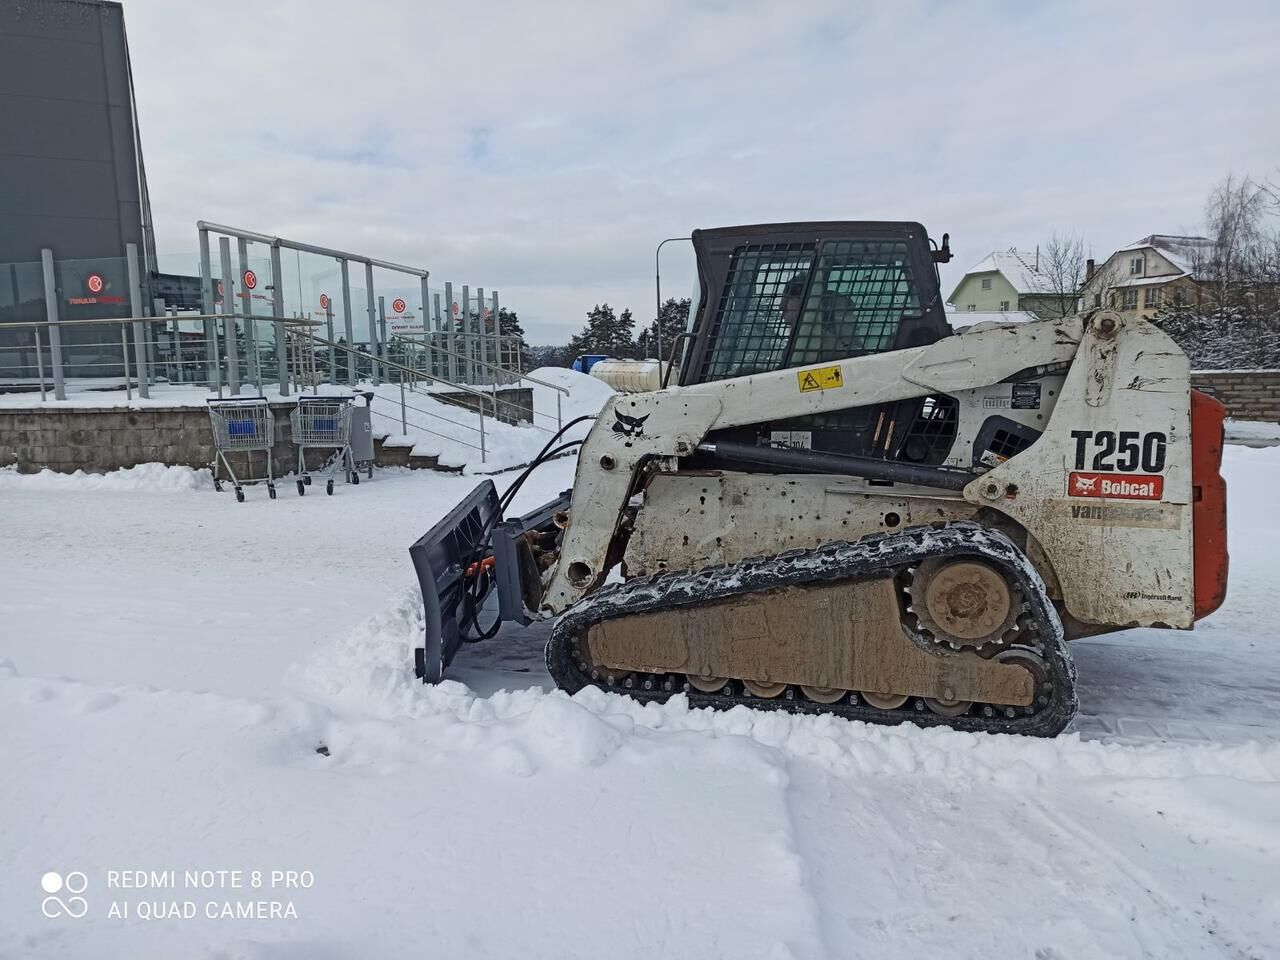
(861, 291)
(758, 307)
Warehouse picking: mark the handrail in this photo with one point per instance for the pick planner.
(394, 366)
(287, 321)
(411, 337)
(239, 234)
(443, 436)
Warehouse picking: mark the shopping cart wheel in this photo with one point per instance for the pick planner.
(328, 488)
(355, 477)
(239, 495)
(217, 485)
(307, 479)
(302, 489)
(271, 490)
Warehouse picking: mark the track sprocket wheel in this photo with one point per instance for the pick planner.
(963, 603)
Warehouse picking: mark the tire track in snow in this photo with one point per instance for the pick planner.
(1175, 914)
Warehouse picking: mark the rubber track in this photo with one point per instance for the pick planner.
(832, 562)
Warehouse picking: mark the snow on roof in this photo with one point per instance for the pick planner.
(1188, 254)
(1018, 267)
(1149, 281)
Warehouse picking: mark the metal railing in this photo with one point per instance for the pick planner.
(139, 352)
(304, 345)
(222, 352)
(429, 356)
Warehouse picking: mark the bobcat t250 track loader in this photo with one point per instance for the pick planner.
(845, 506)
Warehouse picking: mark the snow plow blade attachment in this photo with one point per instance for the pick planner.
(441, 557)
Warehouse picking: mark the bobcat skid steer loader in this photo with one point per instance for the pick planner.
(844, 506)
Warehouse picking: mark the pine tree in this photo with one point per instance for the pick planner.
(605, 333)
(509, 326)
(672, 320)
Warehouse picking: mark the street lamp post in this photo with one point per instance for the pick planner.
(657, 283)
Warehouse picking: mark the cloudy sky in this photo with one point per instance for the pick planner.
(544, 148)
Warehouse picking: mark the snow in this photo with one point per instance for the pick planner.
(1018, 267)
(172, 663)
(970, 319)
(1252, 433)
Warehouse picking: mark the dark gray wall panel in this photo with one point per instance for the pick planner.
(68, 152)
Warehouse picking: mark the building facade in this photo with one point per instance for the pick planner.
(1010, 280)
(71, 179)
(1158, 270)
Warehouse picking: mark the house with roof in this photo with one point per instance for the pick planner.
(1147, 274)
(1010, 280)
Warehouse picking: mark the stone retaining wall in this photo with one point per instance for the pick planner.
(66, 439)
(1247, 394)
(515, 404)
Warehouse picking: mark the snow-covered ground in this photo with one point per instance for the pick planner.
(188, 684)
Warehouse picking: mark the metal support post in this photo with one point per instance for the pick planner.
(277, 311)
(437, 337)
(124, 354)
(229, 318)
(467, 341)
(250, 329)
(346, 316)
(371, 307)
(333, 351)
(55, 332)
(451, 340)
(482, 335)
(206, 307)
(497, 333)
(426, 316)
(40, 364)
(382, 337)
(139, 326)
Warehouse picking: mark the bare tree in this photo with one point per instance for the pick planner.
(1235, 215)
(1235, 319)
(1061, 267)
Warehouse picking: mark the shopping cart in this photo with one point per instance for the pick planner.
(242, 426)
(324, 423)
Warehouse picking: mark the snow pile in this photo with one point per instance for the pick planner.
(149, 477)
(1251, 432)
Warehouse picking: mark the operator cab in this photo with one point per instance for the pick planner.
(780, 296)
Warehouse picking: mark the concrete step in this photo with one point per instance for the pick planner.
(385, 456)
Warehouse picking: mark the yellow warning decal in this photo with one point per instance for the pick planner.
(820, 378)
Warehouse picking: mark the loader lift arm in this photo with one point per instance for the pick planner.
(635, 430)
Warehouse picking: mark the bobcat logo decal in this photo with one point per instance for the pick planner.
(1084, 485)
(629, 427)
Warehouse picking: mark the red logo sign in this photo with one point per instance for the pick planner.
(398, 305)
(95, 283)
(324, 301)
(1120, 486)
(456, 311)
(250, 279)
